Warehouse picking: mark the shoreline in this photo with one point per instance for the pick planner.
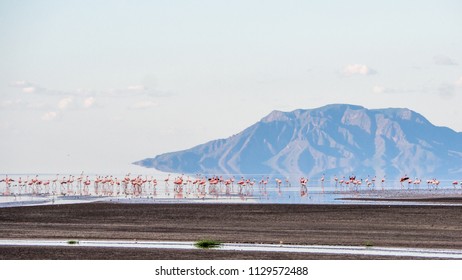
(364, 251)
(454, 200)
(443, 197)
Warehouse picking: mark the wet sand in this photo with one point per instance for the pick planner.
(377, 225)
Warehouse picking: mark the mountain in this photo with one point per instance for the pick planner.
(338, 139)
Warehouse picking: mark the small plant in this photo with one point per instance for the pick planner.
(207, 244)
(72, 242)
(368, 244)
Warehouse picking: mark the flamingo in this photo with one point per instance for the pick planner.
(227, 186)
(201, 187)
(86, 185)
(264, 182)
(8, 182)
(62, 184)
(303, 181)
(21, 184)
(409, 182)
(429, 183)
(166, 180)
(303, 188)
(403, 179)
(278, 182)
(433, 182)
(46, 185)
(70, 184)
(178, 182)
(358, 183)
(241, 184)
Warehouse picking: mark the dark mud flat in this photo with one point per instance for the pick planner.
(357, 225)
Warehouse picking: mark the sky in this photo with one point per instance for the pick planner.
(95, 85)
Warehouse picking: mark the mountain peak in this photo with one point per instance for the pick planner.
(276, 116)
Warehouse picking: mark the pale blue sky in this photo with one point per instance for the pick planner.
(95, 85)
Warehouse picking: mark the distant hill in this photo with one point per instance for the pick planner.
(338, 139)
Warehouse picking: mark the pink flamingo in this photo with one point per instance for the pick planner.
(46, 185)
(241, 183)
(403, 179)
(303, 181)
(228, 186)
(86, 185)
(166, 180)
(287, 182)
(178, 182)
(8, 182)
(278, 182)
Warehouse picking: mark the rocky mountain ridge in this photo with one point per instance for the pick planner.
(337, 139)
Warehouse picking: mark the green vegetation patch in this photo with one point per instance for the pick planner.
(207, 244)
(368, 243)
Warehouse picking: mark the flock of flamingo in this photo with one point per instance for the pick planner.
(137, 186)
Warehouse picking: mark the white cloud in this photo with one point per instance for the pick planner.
(49, 116)
(378, 89)
(25, 86)
(20, 84)
(446, 90)
(144, 105)
(36, 105)
(11, 104)
(64, 103)
(29, 89)
(458, 82)
(21, 104)
(444, 60)
(88, 102)
(136, 87)
(357, 69)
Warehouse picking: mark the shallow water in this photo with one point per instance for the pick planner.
(16, 194)
(316, 249)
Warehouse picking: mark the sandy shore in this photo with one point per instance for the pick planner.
(377, 225)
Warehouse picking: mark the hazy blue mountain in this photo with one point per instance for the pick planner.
(335, 139)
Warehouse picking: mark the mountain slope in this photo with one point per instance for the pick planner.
(337, 139)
